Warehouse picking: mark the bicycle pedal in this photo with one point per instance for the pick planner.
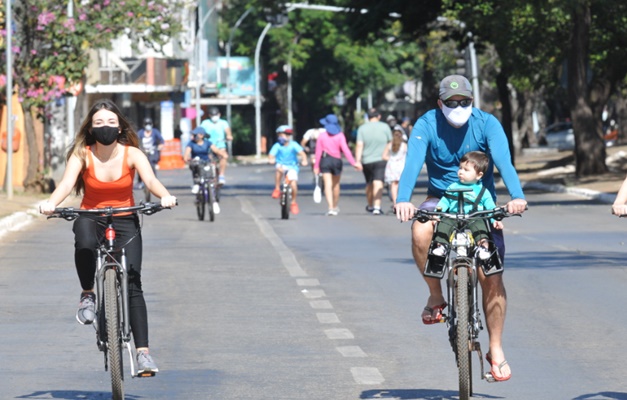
(146, 374)
(489, 377)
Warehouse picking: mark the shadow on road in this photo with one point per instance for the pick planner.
(417, 394)
(72, 395)
(604, 395)
(564, 260)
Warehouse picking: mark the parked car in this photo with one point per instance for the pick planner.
(559, 135)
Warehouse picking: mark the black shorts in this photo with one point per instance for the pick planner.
(375, 171)
(331, 165)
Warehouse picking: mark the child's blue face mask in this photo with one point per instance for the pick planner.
(282, 140)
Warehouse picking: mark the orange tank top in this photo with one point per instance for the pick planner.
(118, 193)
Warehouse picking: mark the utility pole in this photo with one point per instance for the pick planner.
(8, 177)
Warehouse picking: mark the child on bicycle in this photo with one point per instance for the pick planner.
(285, 153)
(472, 167)
(101, 165)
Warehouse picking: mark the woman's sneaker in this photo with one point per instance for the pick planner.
(86, 309)
(145, 363)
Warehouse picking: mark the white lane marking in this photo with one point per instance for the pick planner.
(351, 351)
(308, 282)
(328, 318)
(339, 333)
(287, 257)
(367, 376)
(321, 304)
(313, 293)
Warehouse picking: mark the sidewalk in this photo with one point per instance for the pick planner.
(539, 168)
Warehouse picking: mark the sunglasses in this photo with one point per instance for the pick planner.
(455, 103)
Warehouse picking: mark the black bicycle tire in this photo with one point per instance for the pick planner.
(285, 210)
(114, 340)
(200, 205)
(462, 336)
(212, 214)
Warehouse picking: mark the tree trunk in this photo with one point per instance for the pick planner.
(33, 181)
(506, 111)
(589, 145)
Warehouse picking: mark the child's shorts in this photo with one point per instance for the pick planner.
(292, 171)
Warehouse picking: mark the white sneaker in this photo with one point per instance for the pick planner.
(483, 253)
(439, 251)
(216, 207)
(195, 189)
(333, 212)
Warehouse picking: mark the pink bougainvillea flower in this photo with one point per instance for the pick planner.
(45, 18)
(83, 17)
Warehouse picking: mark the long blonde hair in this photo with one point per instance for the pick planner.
(84, 138)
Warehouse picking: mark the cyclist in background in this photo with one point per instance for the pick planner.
(101, 165)
(151, 143)
(219, 133)
(285, 153)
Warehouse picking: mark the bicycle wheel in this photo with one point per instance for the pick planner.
(210, 200)
(200, 204)
(463, 334)
(114, 341)
(285, 203)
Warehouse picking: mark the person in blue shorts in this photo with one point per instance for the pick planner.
(439, 139)
(220, 134)
(285, 154)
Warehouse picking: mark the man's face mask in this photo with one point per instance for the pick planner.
(148, 127)
(215, 118)
(457, 116)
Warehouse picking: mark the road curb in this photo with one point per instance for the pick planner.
(582, 192)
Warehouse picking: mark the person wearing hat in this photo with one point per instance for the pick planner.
(440, 138)
(372, 138)
(328, 160)
(285, 154)
(151, 143)
(219, 133)
(199, 148)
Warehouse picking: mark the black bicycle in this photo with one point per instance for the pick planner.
(459, 264)
(285, 200)
(208, 188)
(112, 325)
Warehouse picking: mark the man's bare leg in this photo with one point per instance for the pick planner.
(421, 239)
(377, 193)
(369, 193)
(494, 307)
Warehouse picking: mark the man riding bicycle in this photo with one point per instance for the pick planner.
(219, 133)
(440, 138)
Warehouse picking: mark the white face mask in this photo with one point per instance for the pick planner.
(457, 116)
(215, 118)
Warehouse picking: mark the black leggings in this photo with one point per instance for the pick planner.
(88, 231)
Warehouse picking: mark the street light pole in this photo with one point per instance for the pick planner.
(199, 69)
(258, 90)
(228, 63)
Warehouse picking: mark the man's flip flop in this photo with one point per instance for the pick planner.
(499, 366)
(438, 314)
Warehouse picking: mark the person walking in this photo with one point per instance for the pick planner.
(219, 133)
(372, 137)
(151, 143)
(440, 138)
(328, 160)
(394, 154)
(101, 164)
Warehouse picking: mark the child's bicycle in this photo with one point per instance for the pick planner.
(459, 263)
(208, 188)
(112, 324)
(285, 200)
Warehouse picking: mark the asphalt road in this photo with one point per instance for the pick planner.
(255, 307)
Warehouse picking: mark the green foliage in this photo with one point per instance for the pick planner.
(51, 49)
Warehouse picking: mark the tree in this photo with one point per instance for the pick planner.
(51, 48)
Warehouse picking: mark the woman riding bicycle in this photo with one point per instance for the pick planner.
(101, 165)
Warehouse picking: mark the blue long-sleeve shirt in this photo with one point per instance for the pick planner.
(434, 141)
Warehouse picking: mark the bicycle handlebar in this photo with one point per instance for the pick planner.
(71, 213)
(497, 213)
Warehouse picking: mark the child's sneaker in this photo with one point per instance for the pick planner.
(276, 193)
(294, 209)
(483, 253)
(195, 189)
(439, 251)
